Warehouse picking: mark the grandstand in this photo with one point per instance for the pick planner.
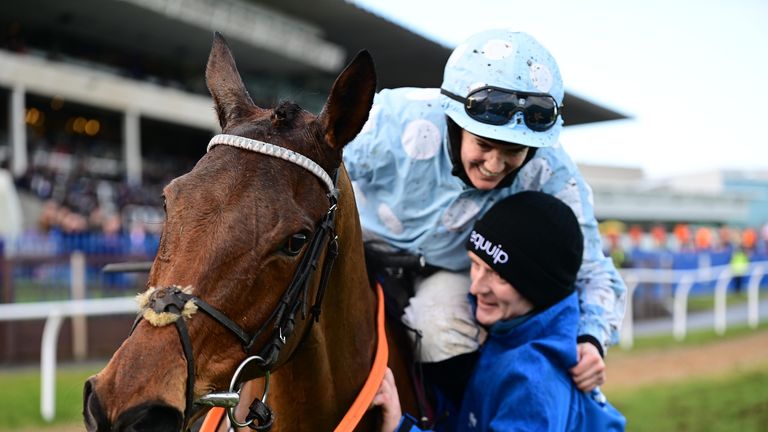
(110, 92)
(103, 101)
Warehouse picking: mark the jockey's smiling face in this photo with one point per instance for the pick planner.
(487, 162)
(497, 299)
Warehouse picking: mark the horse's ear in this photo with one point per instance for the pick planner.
(224, 82)
(346, 110)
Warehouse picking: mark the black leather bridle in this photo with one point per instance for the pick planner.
(172, 299)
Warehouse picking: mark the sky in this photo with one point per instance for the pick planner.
(691, 74)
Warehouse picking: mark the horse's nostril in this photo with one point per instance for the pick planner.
(150, 418)
(93, 414)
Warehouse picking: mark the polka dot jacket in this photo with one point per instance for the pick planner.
(400, 168)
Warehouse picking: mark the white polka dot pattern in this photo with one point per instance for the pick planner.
(423, 94)
(534, 174)
(373, 118)
(497, 49)
(571, 196)
(460, 213)
(541, 77)
(421, 139)
(590, 195)
(359, 194)
(390, 221)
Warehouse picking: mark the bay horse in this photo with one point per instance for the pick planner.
(245, 229)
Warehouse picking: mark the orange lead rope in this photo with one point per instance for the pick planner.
(364, 398)
(213, 419)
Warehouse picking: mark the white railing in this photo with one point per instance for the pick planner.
(685, 279)
(54, 313)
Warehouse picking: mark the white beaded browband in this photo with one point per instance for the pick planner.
(275, 151)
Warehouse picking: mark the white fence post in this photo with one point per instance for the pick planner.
(54, 313)
(78, 288)
(704, 267)
(48, 365)
(720, 290)
(680, 311)
(627, 335)
(685, 280)
(752, 295)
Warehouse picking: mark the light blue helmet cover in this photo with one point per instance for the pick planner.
(509, 60)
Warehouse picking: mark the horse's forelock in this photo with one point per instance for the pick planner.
(284, 115)
(291, 127)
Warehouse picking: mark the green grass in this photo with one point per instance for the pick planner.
(737, 402)
(26, 291)
(692, 338)
(20, 396)
(700, 303)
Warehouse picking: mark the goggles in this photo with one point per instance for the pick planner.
(497, 106)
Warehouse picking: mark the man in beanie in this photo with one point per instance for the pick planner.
(525, 254)
(430, 162)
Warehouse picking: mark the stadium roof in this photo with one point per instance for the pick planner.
(274, 37)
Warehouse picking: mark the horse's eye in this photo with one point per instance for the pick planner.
(294, 244)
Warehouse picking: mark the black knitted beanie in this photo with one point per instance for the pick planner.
(534, 241)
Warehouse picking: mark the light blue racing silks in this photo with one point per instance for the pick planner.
(400, 167)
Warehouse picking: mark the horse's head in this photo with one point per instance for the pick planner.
(237, 228)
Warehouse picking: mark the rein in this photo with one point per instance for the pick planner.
(365, 397)
(174, 303)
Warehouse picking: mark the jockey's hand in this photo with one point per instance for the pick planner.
(386, 397)
(589, 372)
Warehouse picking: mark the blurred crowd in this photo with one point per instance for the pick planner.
(78, 199)
(628, 246)
(83, 191)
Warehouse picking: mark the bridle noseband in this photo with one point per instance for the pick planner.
(175, 300)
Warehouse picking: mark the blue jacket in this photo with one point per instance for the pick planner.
(521, 381)
(400, 167)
